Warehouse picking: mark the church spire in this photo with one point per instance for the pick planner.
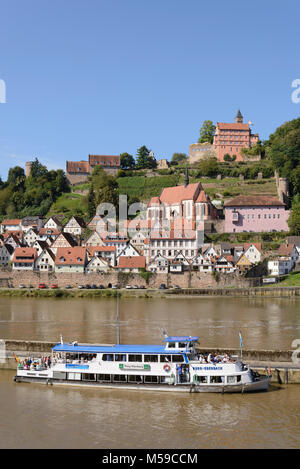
(238, 118)
(186, 177)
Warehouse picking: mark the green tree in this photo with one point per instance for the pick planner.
(127, 161)
(145, 159)
(294, 219)
(91, 207)
(208, 167)
(37, 169)
(178, 158)
(207, 132)
(16, 176)
(283, 149)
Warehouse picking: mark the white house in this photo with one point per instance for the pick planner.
(53, 223)
(94, 239)
(24, 258)
(253, 252)
(159, 265)
(202, 264)
(128, 251)
(75, 226)
(6, 254)
(30, 237)
(97, 264)
(11, 225)
(106, 252)
(45, 261)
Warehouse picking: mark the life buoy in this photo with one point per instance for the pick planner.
(167, 368)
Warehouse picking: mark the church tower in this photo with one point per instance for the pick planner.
(238, 118)
(186, 177)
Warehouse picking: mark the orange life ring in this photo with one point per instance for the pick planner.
(167, 368)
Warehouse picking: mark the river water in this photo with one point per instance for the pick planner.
(37, 416)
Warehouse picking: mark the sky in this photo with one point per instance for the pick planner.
(105, 77)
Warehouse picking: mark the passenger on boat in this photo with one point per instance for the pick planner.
(179, 373)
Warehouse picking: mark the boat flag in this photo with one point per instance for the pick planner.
(269, 370)
(16, 358)
(241, 339)
(61, 340)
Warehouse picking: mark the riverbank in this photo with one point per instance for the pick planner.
(284, 370)
(272, 291)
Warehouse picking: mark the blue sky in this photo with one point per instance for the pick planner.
(105, 77)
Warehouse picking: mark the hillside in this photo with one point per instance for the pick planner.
(143, 188)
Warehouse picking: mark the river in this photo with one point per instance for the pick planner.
(37, 416)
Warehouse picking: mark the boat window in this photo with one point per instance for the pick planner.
(182, 345)
(151, 379)
(238, 378)
(59, 375)
(108, 357)
(135, 358)
(89, 377)
(165, 358)
(151, 358)
(103, 377)
(164, 379)
(202, 379)
(231, 379)
(177, 358)
(171, 344)
(120, 357)
(119, 378)
(217, 379)
(135, 378)
(74, 376)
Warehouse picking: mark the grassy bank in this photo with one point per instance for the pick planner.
(290, 280)
(57, 293)
(284, 289)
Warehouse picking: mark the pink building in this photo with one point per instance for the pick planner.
(231, 138)
(255, 213)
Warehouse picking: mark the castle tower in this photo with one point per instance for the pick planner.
(28, 168)
(238, 118)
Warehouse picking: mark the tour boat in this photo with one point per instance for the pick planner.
(173, 366)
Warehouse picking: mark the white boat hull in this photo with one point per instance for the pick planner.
(261, 384)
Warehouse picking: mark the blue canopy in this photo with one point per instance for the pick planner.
(181, 338)
(146, 349)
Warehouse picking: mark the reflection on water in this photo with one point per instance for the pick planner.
(265, 323)
(64, 417)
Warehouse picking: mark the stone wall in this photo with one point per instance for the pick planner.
(77, 178)
(183, 280)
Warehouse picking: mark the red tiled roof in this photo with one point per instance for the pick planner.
(254, 200)
(285, 249)
(70, 256)
(27, 255)
(17, 233)
(202, 197)
(77, 167)
(92, 249)
(132, 262)
(154, 201)
(104, 160)
(13, 221)
(51, 231)
(176, 194)
(233, 126)
(257, 245)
